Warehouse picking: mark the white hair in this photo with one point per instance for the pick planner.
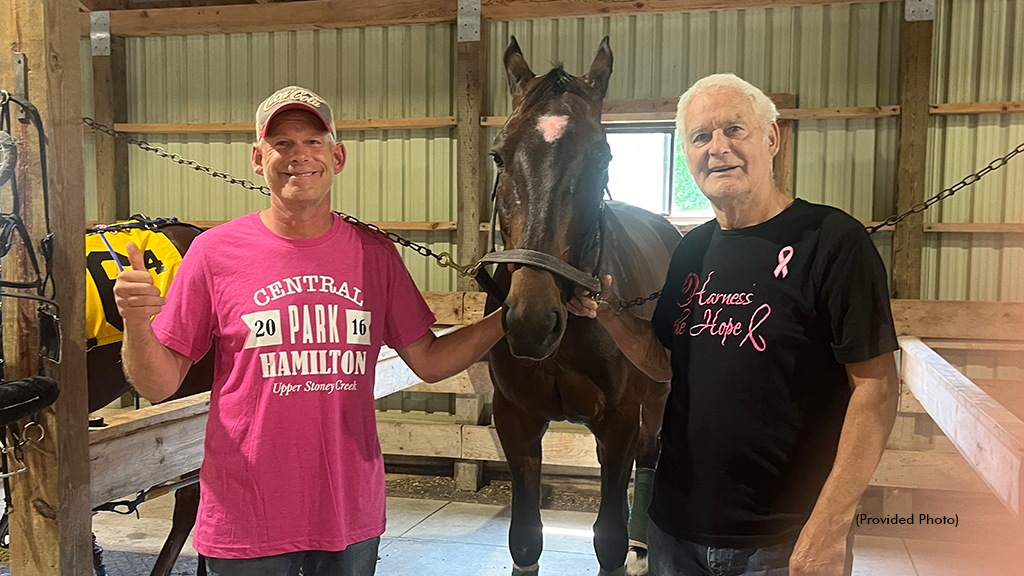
(764, 108)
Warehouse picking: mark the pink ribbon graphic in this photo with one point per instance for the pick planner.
(785, 255)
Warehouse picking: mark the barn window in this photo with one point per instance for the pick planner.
(648, 170)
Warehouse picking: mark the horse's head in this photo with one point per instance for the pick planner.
(552, 158)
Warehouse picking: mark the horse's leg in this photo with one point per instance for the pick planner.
(652, 411)
(186, 506)
(520, 436)
(616, 434)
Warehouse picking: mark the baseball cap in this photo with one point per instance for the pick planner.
(293, 98)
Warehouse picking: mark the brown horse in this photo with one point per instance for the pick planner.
(107, 383)
(552, 159)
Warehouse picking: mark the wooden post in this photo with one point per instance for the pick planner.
(911, 151)
(782, 165)
(50, 522)
(470, 97)
(470, 84)
(110, 84)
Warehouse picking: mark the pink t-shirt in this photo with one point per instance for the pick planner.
(292, 459)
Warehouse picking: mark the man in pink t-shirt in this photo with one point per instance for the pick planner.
(298, 303)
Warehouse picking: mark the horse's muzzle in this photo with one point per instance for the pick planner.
(534, 315)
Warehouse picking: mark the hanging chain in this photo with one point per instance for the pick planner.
(967, 181)
(444, 259)
(175, 157)
(895, 219)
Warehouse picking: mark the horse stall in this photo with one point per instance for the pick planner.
(882, 106)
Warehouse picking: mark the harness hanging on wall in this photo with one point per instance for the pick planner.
(24, 398)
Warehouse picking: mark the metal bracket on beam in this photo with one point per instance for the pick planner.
(918, 10)
(21, 82)
(99, 32)
(469, 21)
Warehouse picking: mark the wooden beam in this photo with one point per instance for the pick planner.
(470, 95)
(959, 320)
(533, 9)
(95, 5)
(235, 127)
(926, 470)
(915, 50)
(977, 108)
(975, 227)
(475, 380)
(110, 103)
(782, 164)
(669, 116)
(451, 226)
(410, 438)
(139, 449)
(310, 15)
(446, 226)
(562, 445)
(982, 345)
(50, 519)
(325, 14)
(986, 433)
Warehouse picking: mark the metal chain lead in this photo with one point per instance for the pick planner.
(444, 259)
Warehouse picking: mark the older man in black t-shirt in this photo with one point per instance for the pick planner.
(775, 330)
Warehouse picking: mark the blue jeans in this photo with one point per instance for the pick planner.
(669, 556)
(359, 559)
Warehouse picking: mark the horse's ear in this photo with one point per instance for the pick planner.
(516, 67)
(601, 69)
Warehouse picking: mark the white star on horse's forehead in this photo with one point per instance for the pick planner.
(552, 127)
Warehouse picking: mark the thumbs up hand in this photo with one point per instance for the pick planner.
(137, 298)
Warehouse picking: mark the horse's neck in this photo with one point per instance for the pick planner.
(635, 254)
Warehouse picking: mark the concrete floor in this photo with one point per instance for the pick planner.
(429, 537)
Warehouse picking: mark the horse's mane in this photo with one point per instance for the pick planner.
(554, 83)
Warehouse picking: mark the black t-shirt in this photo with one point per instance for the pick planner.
(760, 322)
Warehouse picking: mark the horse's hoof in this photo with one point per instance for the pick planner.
(620, 571)
(528, 571)
(636, 561)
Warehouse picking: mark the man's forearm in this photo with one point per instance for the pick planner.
(153, 369)
(869, 420)
(456, 351)
(636, 338)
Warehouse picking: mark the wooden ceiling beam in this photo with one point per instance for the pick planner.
(95, 5)
(528, 9)
(330, 14)
(309, 15)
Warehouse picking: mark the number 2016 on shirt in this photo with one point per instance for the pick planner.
(317, 324)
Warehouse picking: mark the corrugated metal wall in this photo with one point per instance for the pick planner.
(978, 56)
(828, 56)
(841, 55)
(397, 175)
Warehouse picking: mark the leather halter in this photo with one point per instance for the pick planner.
(537, 259)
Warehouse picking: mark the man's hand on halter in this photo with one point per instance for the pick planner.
(137, 297)
(583, 304)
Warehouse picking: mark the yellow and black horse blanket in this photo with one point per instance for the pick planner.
(103, 323)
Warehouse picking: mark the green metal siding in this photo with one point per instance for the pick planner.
(977, 56)
(395, 175)
(828, 56)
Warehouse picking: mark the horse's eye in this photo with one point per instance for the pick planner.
(497, 160)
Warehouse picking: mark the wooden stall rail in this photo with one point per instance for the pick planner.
(984, 456)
